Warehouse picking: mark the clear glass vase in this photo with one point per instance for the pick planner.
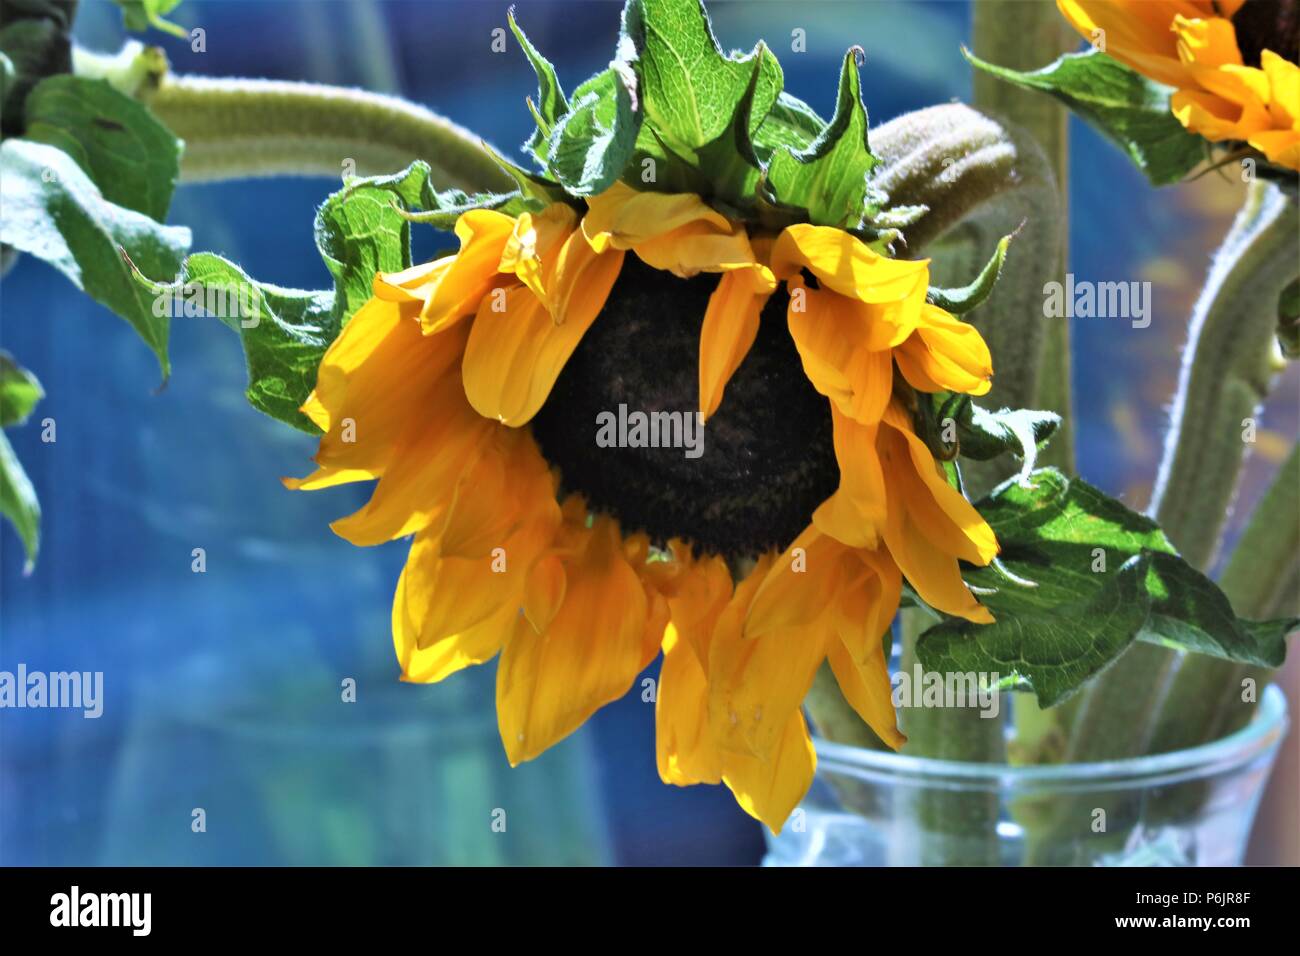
(1192, 807)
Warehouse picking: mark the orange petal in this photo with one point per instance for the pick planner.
(730, 325)
(769, 789)
(589, 654)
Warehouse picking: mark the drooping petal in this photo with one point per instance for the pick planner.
(622, 217)
(866, 686)
(516, 353)
(699, 247)
(850, 267)
(730, 325)
(483, 234)
(474, 646)
(844, 348)
(762, 663)
(684, 747)
(797, 587)
(930, 567)
(855, 514)
(420, 483)
(589, 654)
(945, 354)
(937, 508)
(532, 242)
(770, 788)
(375, 379)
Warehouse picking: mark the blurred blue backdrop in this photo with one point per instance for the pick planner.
(223, 688)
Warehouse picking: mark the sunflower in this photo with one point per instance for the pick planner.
(1232, 63)
(468, 387)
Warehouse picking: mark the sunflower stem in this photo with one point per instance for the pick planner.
(1207, 700)
(1026, 36)
(1230, 360)
(241, 128)
(951, 827)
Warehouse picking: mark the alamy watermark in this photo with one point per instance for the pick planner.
(77, 690)
(947, 689)
(637, 429)
(1098, 300)
(193, 300)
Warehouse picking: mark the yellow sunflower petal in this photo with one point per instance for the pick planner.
(855, 514)
(415, 284)
(698, 247)
(622, 217)
(730, 325)
(847, 265)
(1135, 33)
(756, 684)
(684, 748)
(421, 482)
(798, 586)
(534, 239)
(592, 650)
(544, 592)
(770, 788)
(483, 234)
(474, 646)
(866, 686)
(374, 381)
(844, 349)
(945, 354)
(930, 566)
(515, 355)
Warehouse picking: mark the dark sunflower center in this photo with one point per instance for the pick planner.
(1268, 25)
(765, 460)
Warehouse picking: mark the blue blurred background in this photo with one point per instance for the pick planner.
(223, 688)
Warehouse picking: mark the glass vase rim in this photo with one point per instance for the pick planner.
(1262, 734)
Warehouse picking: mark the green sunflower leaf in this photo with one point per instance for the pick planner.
(592, 143)
(285, 332)
(19, 391)
(18, 501)
(791, 123)
(829, 177)
(967, 298)
(1125, 106)
(551, 101)
(730, 163)
(361, 230)
(689, 89)
(53, 211)
(129, 155)
(1079, 578)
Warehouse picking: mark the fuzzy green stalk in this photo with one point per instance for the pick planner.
(1026, 35)
(235, 128)
(1209, 698)
(241, 128)
(1228, 365)
(950, 827)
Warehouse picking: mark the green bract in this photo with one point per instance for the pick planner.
(673, 113)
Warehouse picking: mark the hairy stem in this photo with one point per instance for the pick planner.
(1226, 373)
(1207, 699)
(237, 128)
(1026, 35)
